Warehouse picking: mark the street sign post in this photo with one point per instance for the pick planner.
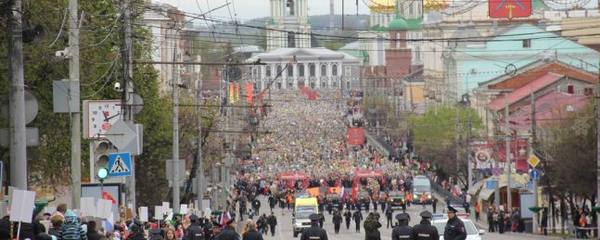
(535, 174)
(119, 165)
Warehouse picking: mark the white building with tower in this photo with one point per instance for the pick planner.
(289, 25)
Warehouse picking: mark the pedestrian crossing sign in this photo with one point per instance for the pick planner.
(119, 165)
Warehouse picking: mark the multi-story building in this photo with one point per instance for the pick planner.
(291, 68)
(172, 41)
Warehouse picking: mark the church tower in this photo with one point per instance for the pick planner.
(289, 19)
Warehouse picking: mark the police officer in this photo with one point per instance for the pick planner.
(337, 221)
(348, 218)
(424, 230)
(455, 228)
(314, 232)
(402, 230)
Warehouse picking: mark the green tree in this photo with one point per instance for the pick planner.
(436, 138)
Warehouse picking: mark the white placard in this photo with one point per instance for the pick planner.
(165, 206)
(158, 213)
(21, 206)
(184, 209)
(143, 213)
(104, 209)
(88, 207)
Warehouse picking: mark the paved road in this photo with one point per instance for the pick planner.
(285, 232)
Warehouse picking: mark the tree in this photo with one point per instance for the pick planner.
(569, 149)
(435, 136)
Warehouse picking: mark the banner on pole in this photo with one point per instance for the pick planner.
(356, 136)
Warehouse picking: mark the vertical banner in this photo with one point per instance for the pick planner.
(509, 8)
(236, 92)
(356, 136)
(249, 93)
(231, 94)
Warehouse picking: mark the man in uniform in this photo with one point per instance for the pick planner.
(402, 230)
(358, 217)
(389, 212)
(337, 221)
(455, 228)
(348, 218)
(424, 230)
(314, 232)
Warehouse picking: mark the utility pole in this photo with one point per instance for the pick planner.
(75, 115)
(175, 96)
(200, 163)
(597, 94)
(469, 162)
(127, 57)
(18, 148)
(531, 152)
(508, 159)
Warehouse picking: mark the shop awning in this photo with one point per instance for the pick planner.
(517, 181)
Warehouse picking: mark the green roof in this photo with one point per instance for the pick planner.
(398, 24)
(539, 5)
(401, 24)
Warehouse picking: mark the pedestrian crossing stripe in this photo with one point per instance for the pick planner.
(119, 166)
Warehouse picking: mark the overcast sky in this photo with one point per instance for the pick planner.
(249, 9)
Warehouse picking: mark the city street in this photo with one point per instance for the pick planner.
(285, 232)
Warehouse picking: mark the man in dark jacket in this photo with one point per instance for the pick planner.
(455, 228)
(272, 202)
(424, 230)
(272, 221)
(348, 218)
(256, 206)
(92, 233)
(228, 232)
(402, 230)
(357, 216)
(194, 231)
(389, 212)
(314, 232)
(337, 221)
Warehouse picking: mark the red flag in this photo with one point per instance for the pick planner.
(509, 8)
(108, 196)
(249, 93)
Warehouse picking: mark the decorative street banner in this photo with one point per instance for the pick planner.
(509, 8)
(356, 136)
(249, 93)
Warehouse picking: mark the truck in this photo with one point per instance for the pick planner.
(421, 190)
(303, 208)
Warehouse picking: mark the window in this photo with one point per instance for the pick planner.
(289, 7)
(347, 71)
(411, 9)
(588, 91)
(291, 38)
(323, 70)
(290, 70)
(312, 69)
(526, 43)
(418, 53)
(334, 70)
(268, 71)
(301, 70)
(570, 89)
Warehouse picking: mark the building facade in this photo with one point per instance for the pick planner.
(288, 26)
(292, 68)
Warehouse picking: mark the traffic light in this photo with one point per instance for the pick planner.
(102, 149)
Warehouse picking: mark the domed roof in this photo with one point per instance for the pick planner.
(398, 24)
(382, 6)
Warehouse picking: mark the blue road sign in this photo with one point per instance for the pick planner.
(490, 184)
(119, 165)
(535, 174)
